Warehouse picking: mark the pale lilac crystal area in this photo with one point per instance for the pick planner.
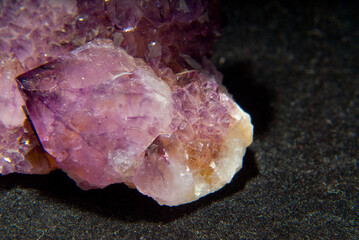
(96, 110)
(107, 118)
(29, 36)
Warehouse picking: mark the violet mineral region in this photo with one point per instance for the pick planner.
(118, 92)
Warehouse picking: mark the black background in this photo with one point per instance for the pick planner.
(293, 66)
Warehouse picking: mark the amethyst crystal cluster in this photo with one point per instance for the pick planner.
(118, 91)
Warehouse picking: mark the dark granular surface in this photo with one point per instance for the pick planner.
(295, 68)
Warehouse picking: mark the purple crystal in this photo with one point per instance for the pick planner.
(96, 104)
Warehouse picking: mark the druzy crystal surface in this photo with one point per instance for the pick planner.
(121, 91)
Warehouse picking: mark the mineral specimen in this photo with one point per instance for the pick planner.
(107, 118)
(139, 105)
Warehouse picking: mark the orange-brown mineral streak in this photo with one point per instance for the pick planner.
(39, 159)
(201, 153)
